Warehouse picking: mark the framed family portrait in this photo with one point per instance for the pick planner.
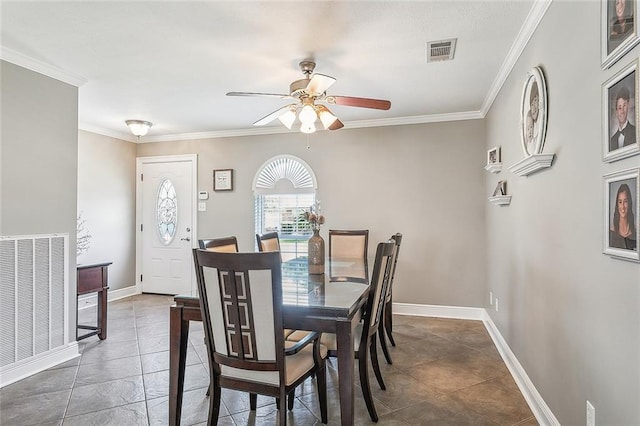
(621, 216)
(533, 113)
(223, 180)
(619, 29)
(620, 115)
(493, 156)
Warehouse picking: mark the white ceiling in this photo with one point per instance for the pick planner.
(172, 62)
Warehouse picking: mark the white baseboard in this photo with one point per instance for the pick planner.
(89, 300)
(28, 367)
(458, 312)
(540, 409)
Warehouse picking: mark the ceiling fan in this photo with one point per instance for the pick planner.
(307, 92)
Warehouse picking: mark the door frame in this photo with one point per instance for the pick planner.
(140, 161)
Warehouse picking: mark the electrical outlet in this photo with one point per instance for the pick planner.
(591, 414)
(496, 304)
(491, 298)
(202, 206)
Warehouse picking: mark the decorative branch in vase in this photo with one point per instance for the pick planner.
(315, 250)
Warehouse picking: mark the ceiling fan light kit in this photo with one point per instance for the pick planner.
(307, 92)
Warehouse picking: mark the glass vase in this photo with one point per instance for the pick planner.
(316, 253)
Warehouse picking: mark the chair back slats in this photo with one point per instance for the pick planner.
(378, 287)
(268, 241)
(241, 304)
(397, 238)
(348, 244)
(221, 245)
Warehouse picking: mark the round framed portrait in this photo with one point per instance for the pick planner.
(533, 113)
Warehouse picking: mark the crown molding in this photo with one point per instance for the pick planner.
(40, 67)
(401, 121)
(526, 32)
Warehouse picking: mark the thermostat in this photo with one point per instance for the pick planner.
(203, 195)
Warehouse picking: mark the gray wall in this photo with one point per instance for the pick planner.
(39, 162)
(569, 313)
(107, 200)
(425, 181)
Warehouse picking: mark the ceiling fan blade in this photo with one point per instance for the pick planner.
(319, 84)
(359, 102)
(336, 125)
(275, 114)
(268, 95)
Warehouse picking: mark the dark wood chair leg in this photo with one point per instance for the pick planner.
(364, 384)
(383, 345)
(290, 399)
(253, 401)
(388, 322)
(321, 382)
(214, 404)
(374, 362)
(282, 408)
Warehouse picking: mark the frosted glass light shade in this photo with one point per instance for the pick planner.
(327, 118)
(288, 118)
(307, 115)
(139, 127)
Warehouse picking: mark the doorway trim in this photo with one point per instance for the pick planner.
(140, 161)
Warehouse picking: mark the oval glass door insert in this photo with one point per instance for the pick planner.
(166, 212)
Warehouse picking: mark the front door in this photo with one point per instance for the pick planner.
(167, 224)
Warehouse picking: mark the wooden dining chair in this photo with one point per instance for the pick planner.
(268, 241)
(241, 306)
(222, 245)
(366, 331)
(388, 305)
(349, 246)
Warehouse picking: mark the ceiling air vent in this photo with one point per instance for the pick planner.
(441, 50)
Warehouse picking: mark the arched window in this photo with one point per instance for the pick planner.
(284, 188)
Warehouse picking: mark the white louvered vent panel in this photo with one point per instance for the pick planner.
(42, 295)
(24, 327)
(57, 291)
(7, 302)
(441, 50)
(32, 296)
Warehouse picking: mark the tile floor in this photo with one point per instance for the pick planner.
(444, 372)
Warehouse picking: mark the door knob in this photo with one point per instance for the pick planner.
(185, 239)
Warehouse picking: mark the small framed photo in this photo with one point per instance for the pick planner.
(493, 156)
(501, 189)
(533, 113)
(619, 29)
(223, 180)
(620, 114)
(621, 214)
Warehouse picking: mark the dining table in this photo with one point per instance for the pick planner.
(330, 302)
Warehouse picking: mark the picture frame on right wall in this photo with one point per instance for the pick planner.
(620, 31)
(620, 114)
(621, 214)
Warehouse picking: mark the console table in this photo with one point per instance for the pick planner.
(93, 279)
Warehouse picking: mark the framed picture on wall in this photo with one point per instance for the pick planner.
(619, 29)
(533, 112)
(223, 180)
(621, 216)
(620, 136)
(501, 188)
(493, 156)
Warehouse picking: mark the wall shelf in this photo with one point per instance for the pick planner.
(532, 164)
(501, 200)
(493, 168)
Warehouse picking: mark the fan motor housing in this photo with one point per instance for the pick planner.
(297, 88)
